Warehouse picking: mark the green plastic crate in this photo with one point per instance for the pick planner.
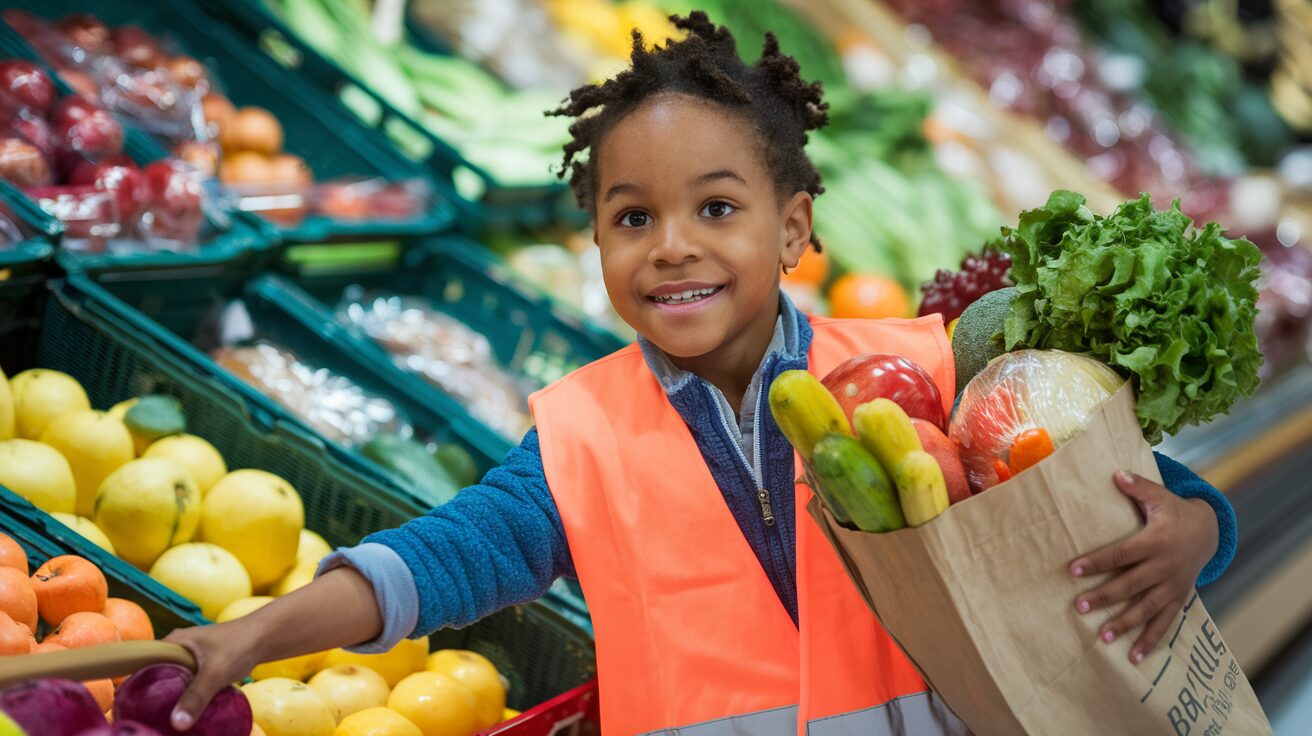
(24, 269)
(42, 537)
(500, 206)
(318, 128)
(184, 320)
(115, 360)
(540, 653)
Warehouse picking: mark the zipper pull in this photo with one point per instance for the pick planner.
(767, 511)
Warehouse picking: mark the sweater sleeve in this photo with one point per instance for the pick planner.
(495, 544)
(1182, 481)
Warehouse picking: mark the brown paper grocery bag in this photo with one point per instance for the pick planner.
(981, 601)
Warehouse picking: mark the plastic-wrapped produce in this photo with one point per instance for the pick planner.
(1047, 390)
(331, 403)
(448, 353)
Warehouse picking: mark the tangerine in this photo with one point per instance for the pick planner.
(69, 584)
(11, 554)
(868, 296)
(17, 597)
(130, 619)
(15, 637)
(85, 629)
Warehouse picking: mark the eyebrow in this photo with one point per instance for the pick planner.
(718, 175)
(702, 180)
(620, 188)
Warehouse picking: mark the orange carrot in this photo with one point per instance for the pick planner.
(1029, 448)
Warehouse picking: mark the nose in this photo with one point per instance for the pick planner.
(672, 245)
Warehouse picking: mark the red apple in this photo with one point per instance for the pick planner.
(873, 376)
(86, 31)
(119, 175)
(26, 84)
(90, 215)
(396, 201)
(136, 47)
(87, 129)
(174, 208)
(33, 129)
(22, 163)
(948, 454)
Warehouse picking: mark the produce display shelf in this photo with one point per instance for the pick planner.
(185, 320)
(42, 537)
(233, 237)
(500, 205)
(318, 127)
(115, 360)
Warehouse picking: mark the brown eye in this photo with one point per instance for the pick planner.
(635, 219)
(716, 210)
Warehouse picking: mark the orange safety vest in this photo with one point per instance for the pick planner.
(690, 633)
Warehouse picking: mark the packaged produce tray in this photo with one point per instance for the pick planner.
(187, 321)
(498, 204)
(230, 239)
(42, 537)
(318, 128)
(530, 340)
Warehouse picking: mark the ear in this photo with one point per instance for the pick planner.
(798, 217)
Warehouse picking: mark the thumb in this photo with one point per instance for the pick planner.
(192, 703)
(1145, 492)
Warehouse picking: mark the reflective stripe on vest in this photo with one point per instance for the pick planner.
(915, 715)
(688, 627)
(773, 722)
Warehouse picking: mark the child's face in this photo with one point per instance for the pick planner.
(685, 203)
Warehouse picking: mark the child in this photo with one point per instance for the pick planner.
(657, 475)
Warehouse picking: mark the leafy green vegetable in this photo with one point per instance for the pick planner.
(1147, 293)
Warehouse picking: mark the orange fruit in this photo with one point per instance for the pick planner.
(811, 269)
(130, 619)
(17, 597)
(85, 629)
(868, 296)
(69, 584)
(15, 638)
(46, 647)
(12, 555)
(102, 691)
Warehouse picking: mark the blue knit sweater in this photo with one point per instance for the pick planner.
(501, 542)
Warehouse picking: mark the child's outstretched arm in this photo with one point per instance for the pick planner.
(1188, 539)
(497, 543)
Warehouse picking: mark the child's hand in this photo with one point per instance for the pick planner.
(1157, 567)
(224, 655)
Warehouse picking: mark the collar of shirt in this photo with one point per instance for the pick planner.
(787, 342)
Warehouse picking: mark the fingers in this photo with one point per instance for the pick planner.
(1150, 605)
(1119, 555)
(1123, 587)
(1153, 633)
(206, 683)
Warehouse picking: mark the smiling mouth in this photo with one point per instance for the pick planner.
(686, 297)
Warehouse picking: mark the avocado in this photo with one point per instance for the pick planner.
(458, 462)
(978, 337)
(411, 461)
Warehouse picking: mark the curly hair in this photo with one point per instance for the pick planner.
(771, 94)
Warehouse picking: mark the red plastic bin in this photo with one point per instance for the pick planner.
(573, 713)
